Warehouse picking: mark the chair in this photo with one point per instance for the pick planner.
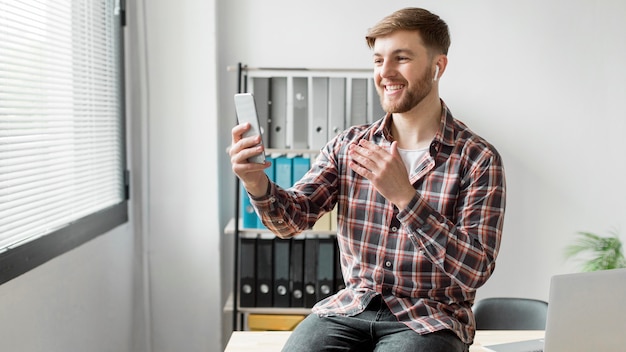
(510, 313)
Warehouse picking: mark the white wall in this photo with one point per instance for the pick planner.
(544, 81)
(180, 201)
(153, 284)
(80, 301)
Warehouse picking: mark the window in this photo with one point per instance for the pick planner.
(62, 153)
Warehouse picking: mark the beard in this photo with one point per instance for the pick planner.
(413, 94)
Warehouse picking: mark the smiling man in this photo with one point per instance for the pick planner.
(420, 201)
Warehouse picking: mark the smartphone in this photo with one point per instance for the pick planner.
(246, 112)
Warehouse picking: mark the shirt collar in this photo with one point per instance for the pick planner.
(445, 134)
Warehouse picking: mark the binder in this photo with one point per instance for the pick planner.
(264, 280)
(297, 273)
(300, 125)
(249, 216)
(300, 166)
(283, 171)
(336, 106)
(282, 295)
(310, 271)
(278, 113)
(325, 268)
(261, 90)
(273, 322)
(375, 110)
(270, 175)
(358, 101)
(247, 265)
(318, 120)
(271, 171)
(323, 223)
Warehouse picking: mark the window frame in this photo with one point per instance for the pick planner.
(24, 257)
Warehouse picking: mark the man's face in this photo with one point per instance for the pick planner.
(402, 71)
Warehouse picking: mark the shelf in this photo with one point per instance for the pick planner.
(246, 232)
(276, 151)
(355, 86)
(274, 310)
(228, 307)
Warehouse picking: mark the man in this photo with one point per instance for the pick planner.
(420, 201)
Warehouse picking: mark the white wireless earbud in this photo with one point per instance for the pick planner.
(436, 73)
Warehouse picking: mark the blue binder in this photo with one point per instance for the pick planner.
(300, 167)
(283, 171)
(248, 215)
(270, 175)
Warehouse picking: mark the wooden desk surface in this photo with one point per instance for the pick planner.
(272, 341)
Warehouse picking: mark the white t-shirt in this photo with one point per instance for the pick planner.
(412, 158)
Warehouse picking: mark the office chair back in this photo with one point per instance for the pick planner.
(510, 313)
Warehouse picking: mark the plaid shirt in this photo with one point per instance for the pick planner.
(426, 260)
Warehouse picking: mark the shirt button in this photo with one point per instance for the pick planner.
(272, 200)
(388, 264)
(394, 229)
(361, 306)
(280, 222)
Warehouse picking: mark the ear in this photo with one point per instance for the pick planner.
(441, 61)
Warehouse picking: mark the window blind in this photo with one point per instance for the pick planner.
(61, 125)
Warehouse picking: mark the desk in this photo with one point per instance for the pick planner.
(272, 341)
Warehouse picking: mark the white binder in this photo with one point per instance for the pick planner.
(300, 125)
(336, 106)
(278, 113)
(318, 117)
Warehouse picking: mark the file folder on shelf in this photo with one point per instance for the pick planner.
(282, 295)
(270, 175)
(323, 223)
(261, 90)
(297, 273)
(249, 216)
(299, 127)
(274, 322)
(264, 280)
(278, 113)
(325, 268)
(283, 171)
(318, 120)
(310, 271)
(247, 272)
(299, 166)
(358, 102)
(336, 106)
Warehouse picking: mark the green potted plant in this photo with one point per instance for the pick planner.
(602, 252)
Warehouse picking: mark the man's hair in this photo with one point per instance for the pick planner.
(432, 28)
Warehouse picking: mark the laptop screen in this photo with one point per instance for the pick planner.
(587, 312)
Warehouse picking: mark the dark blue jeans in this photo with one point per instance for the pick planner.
(376, 329)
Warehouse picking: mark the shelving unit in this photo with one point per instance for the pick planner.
(302, 109)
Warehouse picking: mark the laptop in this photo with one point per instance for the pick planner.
(586, 312)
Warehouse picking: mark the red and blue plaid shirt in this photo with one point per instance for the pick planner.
(426, 260)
